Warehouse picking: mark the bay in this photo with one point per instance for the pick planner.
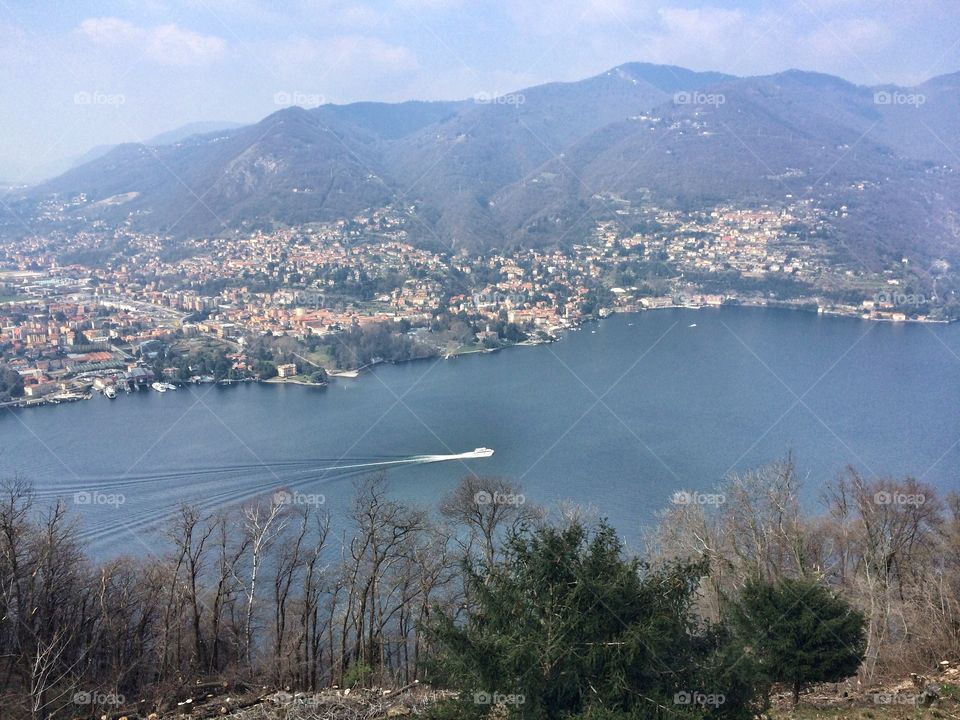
(618, 415)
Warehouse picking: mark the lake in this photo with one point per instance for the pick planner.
(618, 415)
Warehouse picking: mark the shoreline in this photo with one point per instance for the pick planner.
(764, 305)
(293, 381)
(558, 332)
(556, 335)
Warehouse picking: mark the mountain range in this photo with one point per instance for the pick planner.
(536, 167)
(166, 138)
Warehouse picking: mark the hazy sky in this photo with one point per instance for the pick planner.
(77, 74)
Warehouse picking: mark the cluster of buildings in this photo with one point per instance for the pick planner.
(63, 326)
(753, 243)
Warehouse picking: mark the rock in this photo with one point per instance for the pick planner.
(930, 695)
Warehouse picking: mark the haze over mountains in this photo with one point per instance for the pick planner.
(167, 138)
(538, 166)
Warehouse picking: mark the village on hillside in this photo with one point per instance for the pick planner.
(116, 310)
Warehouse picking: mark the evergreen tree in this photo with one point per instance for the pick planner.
(565, 625)
(799, 632)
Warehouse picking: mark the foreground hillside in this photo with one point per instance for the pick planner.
(741, 602)
(890, 701)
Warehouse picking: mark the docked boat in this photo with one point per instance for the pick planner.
(110, 392)
(159, 387)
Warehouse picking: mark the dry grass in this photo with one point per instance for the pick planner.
(804, 712)
(915, 698)
(331, 704)
(892, 701)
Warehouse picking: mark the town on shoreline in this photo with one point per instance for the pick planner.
(119, 311)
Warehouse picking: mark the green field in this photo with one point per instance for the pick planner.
(319, 357)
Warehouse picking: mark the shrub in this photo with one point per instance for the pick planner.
(799, 632)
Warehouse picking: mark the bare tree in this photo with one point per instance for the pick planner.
(762, 522)
(262, 523)
(891, 538)
(226, 586)
(488, 508)
(189, 534)
(48, 670)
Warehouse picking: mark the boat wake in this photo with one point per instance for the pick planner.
(141, 503)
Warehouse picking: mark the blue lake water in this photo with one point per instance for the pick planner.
(618, 415)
